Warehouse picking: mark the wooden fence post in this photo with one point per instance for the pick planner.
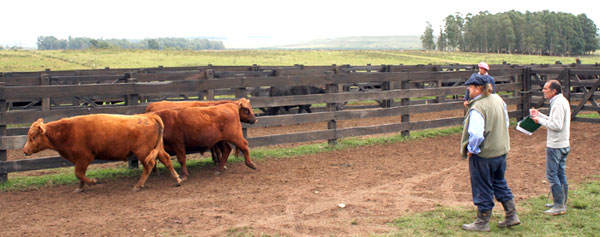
(242, 93)
(3, 107)
(332, 88)
(45, 81)
(405, 102)
(3, 174)
(526, 93)
(210, 74)
(567, 85)
(386, 86)
(133, 99)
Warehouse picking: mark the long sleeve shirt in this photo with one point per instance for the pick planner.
(558, 122)
(476, 129)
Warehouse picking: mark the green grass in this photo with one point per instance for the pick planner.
(589, 115)
(65, 176)
(37, 60)
(581, 218)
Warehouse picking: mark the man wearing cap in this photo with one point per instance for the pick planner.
(483, 70)
(485, 141)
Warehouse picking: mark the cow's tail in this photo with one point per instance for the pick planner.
(158, 146)
(160, 128)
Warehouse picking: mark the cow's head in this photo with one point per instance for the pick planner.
(36, 138)
(246, 113)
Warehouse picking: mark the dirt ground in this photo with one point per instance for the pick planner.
(297, 196)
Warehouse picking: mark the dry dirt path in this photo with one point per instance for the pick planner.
(296, 196)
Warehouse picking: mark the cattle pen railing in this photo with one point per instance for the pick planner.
(399, 91)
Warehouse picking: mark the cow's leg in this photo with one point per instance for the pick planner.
(81, 166)
(166, 160)
(179, 150)
(242, 144)
(273, 111)
(308, 110)
(225, 149)
(148, 163)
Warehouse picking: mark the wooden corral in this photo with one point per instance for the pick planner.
(398, 89)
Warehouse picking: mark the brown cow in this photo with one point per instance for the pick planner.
(162, 105)
(81, 139)
(199, 128)
(222, 149)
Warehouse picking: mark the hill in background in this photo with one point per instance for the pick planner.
(359, 42)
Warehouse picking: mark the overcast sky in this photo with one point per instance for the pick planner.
(246, 23)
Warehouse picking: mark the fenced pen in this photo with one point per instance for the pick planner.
(393, 90)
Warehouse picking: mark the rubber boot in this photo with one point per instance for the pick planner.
(481, 223)
(511, 218)
(549, 204)
(559, 205)
(566, 193)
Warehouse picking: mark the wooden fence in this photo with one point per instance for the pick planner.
(400, 91)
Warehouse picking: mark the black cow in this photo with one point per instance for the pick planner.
(290, 91)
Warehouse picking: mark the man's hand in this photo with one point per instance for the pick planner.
(535, 119)
(469, 154)
(466, 103)
(534, 112)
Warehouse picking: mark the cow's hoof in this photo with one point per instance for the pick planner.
(224, 167)
(93, 182)
(251, 166)
(183, 178)
(136, 189)
(217, 172)
(78, 190)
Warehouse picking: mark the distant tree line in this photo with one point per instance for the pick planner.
(51, 42)
(542, 33)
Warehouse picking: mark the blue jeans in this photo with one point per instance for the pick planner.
(487, 181)
(556, 159)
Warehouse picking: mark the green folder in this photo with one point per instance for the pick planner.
(527, 126)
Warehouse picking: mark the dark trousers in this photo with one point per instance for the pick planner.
(487, 181)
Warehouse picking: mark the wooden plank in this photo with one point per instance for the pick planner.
(294, 119)
(39, 163)
(363, 96)
(13, 142)
(579, 72)
(588, 120)
(29, 116)
(21, 81)
(584, 83)
(16, 131)
(291, 137)
(86, 79)
(244, 74)
(170, 76)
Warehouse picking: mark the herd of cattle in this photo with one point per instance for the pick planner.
(167, 128)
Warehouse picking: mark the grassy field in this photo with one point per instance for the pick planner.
(37, 60)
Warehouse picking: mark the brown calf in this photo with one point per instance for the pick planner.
(81, 139)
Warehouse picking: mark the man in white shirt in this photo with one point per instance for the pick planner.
(558, 124)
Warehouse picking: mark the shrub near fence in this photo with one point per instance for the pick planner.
(69, 93)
